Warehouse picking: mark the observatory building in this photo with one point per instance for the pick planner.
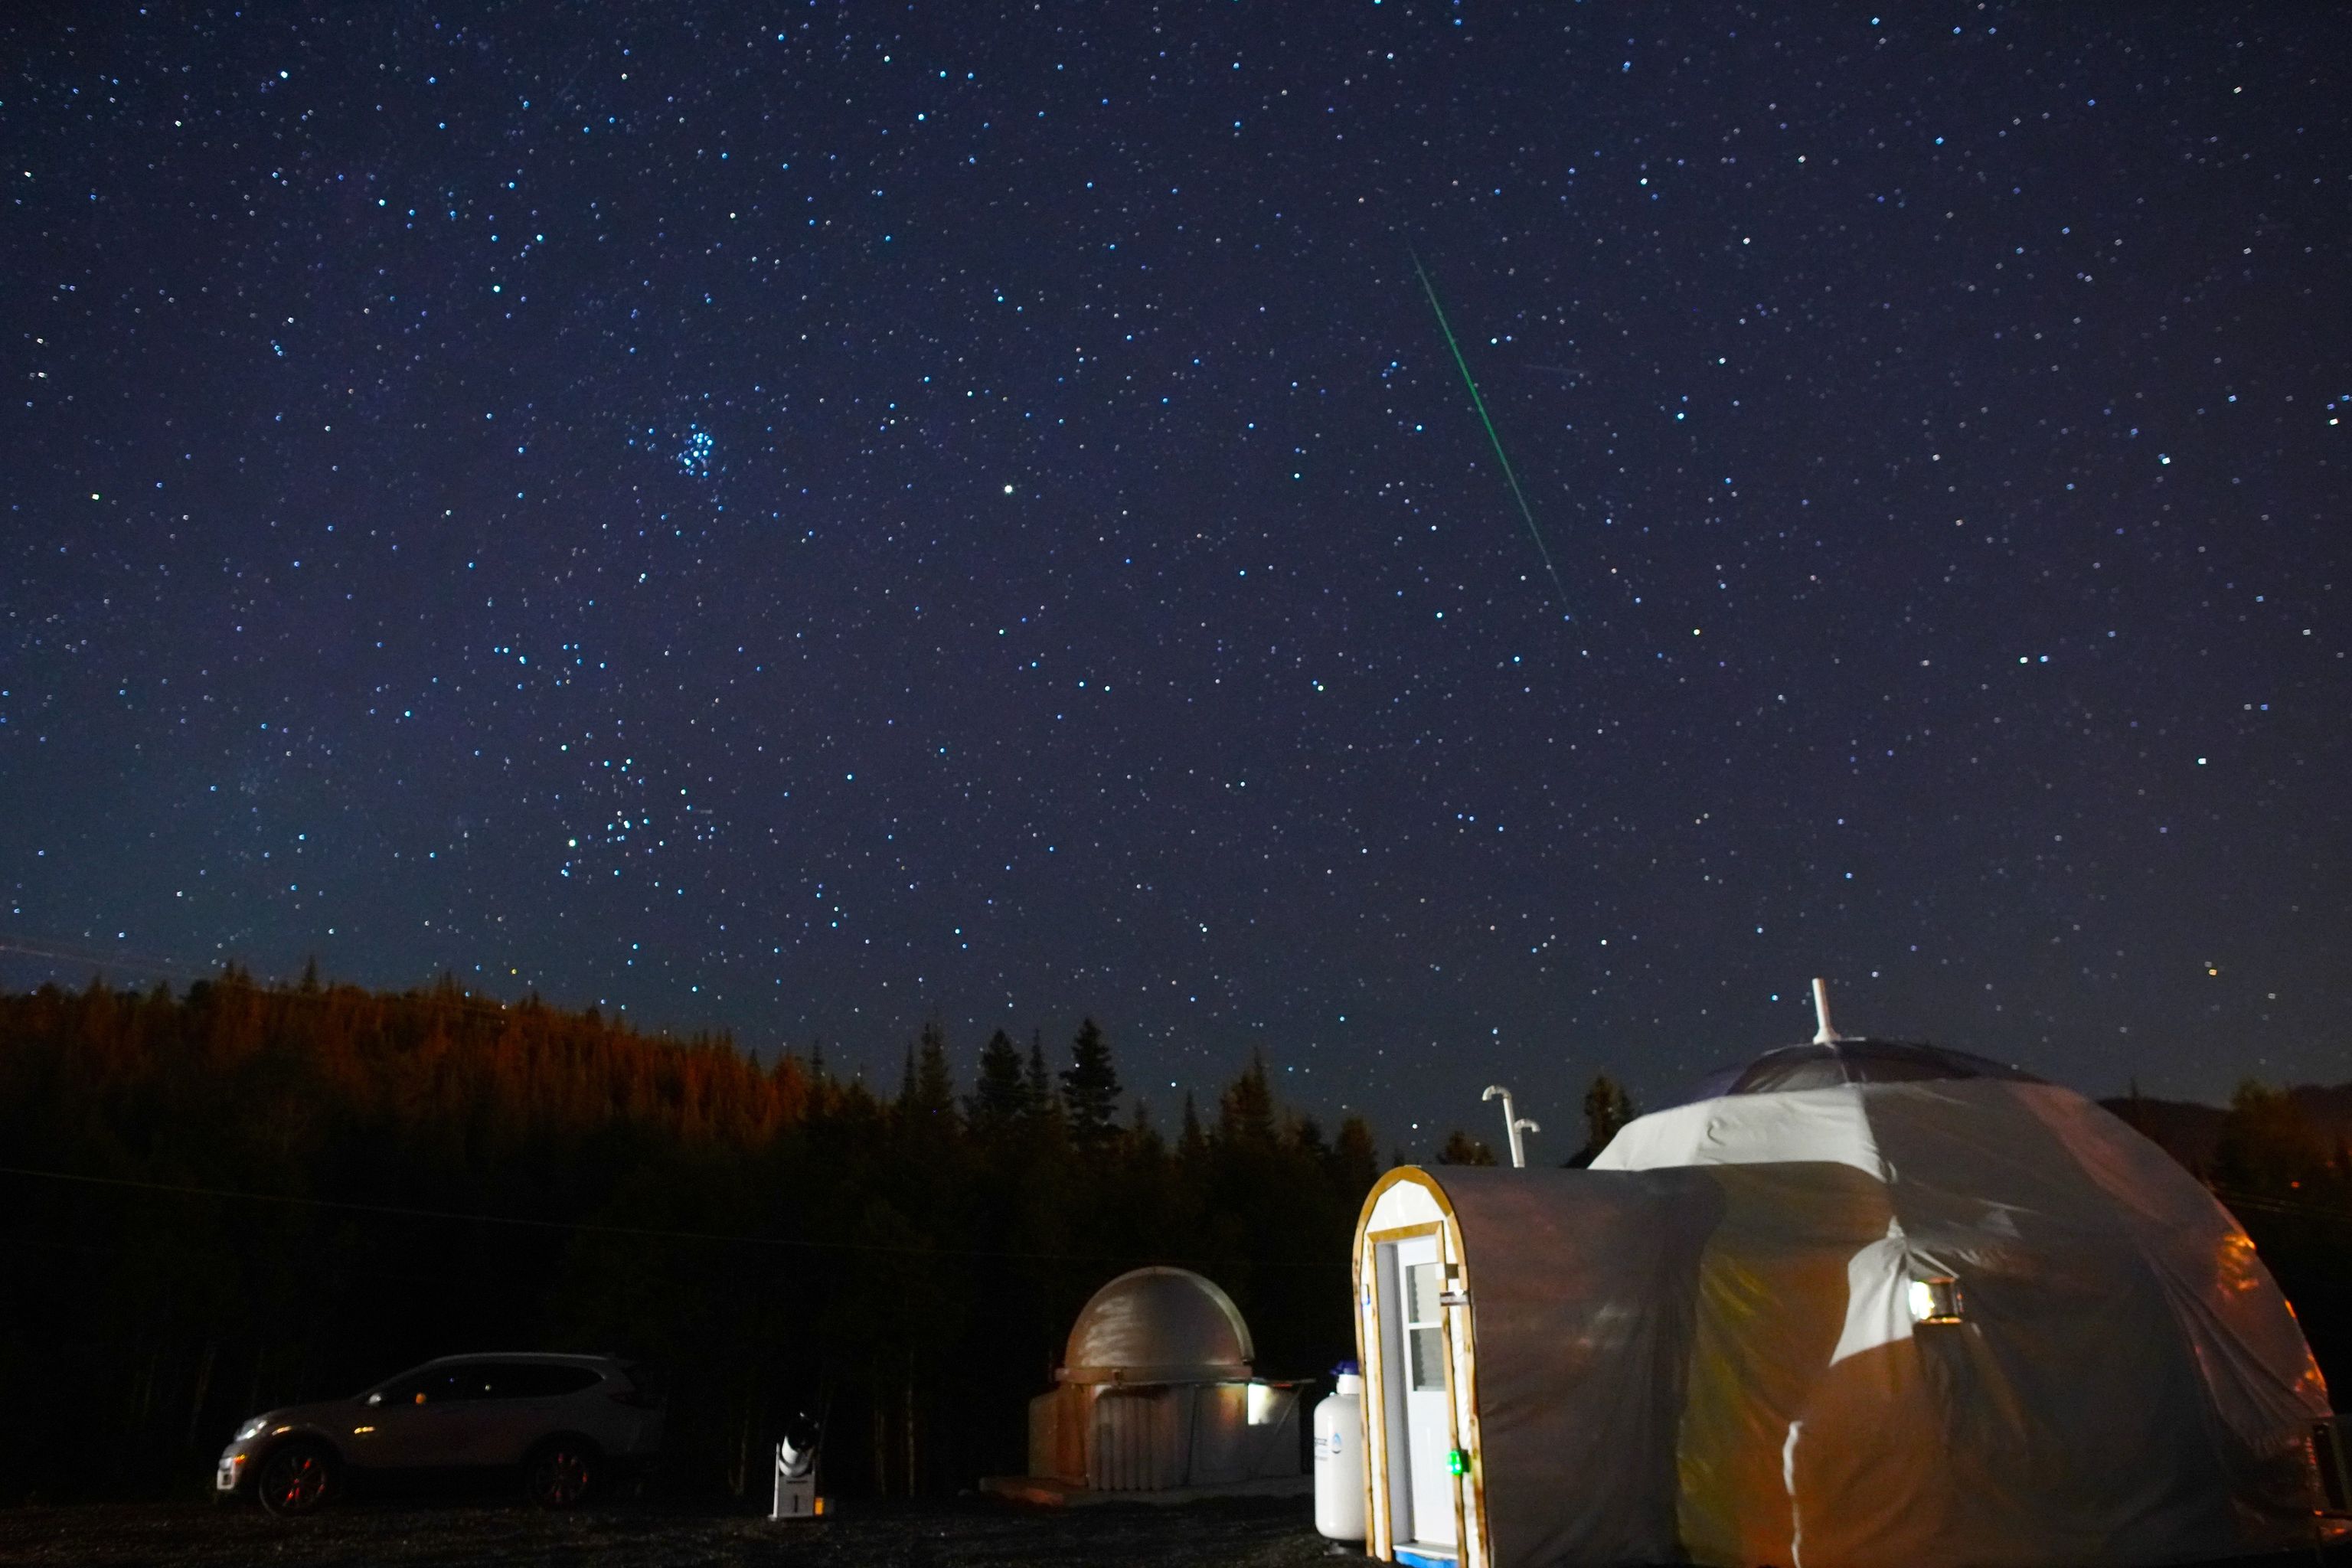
(1155, 1400)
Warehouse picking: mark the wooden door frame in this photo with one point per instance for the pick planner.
(1461, 1401)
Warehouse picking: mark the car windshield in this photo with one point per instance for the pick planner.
(473, 1380)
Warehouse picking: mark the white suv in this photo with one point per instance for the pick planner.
(568, 1423)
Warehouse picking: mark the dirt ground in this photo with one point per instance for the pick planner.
(1256, 1534)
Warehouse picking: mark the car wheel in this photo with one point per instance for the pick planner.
(562, 1472)
(298, 1478)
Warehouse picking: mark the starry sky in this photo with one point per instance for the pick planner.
(805, 519)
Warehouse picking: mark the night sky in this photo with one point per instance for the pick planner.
(807, 524)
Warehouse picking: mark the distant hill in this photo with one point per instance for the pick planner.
(2190, 1131)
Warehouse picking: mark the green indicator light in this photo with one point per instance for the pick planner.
(1457, 1462)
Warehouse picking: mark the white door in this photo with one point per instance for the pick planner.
(1416, 1374)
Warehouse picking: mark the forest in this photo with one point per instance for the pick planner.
(244, 1196)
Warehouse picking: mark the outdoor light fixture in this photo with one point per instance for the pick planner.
(1513, 1125)
(1935, 1300)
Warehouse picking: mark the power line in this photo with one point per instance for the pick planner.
(2279, 1206)
(643, 1232)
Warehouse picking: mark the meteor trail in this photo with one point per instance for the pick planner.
(1479, 403)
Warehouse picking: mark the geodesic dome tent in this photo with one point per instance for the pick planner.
(1855, 1303)
(1155, 1394)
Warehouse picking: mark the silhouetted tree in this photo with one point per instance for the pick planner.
(1355, 1161)
(2268, 1148)
(1246, 1110)
(929, 1094)
(1461, 1149)
(1607, 1109)
(1041, 1082)
(1190, 1141)
(1090, 1086)
(1000, 1094)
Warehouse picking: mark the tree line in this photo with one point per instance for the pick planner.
(287, 1193)
(241, 1195)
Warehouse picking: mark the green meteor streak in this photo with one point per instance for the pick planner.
(1511, 478)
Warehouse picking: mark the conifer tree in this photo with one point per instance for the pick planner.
(933, 1082)
(1461, 1149)
(1190, 1143)
(1041, 1082)
(1306, 1135)
(1246, 1110)
(1090, 1086)
(1000, 1094)
(1355, 1161)
(1607, 1109)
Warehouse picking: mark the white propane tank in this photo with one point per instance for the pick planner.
(1339, 1458)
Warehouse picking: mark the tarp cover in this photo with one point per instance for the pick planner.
(1702, 1349)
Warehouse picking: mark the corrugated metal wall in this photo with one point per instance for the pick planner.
(1143, 1440)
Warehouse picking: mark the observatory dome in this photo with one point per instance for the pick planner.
(1158, 1325)
(1830, 1064)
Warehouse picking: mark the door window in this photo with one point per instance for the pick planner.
(1425, 1323)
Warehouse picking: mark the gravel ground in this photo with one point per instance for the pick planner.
(1256, 1534)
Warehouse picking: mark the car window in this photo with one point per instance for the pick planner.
(437, 1384)
(478, 1380)
(542, 1379)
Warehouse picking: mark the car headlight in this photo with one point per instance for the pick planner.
(251, 1430)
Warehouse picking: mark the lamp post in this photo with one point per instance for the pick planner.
(1514, 1124)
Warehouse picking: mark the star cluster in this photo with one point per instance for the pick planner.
(807, 521)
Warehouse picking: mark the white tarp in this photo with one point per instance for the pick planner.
(1703, 1349)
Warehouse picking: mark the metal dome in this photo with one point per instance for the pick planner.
(1158, 1325)
(1828, 1064)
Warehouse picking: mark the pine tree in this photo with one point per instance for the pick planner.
(1607, 1109)
(929, 1093)
(1461, 1149)
(1355, 1163)
(1190, 1143)
(1000, 1095)
(1246, 1110)
(1041, 1082)
(1306, 1135)
(1090, 1086)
